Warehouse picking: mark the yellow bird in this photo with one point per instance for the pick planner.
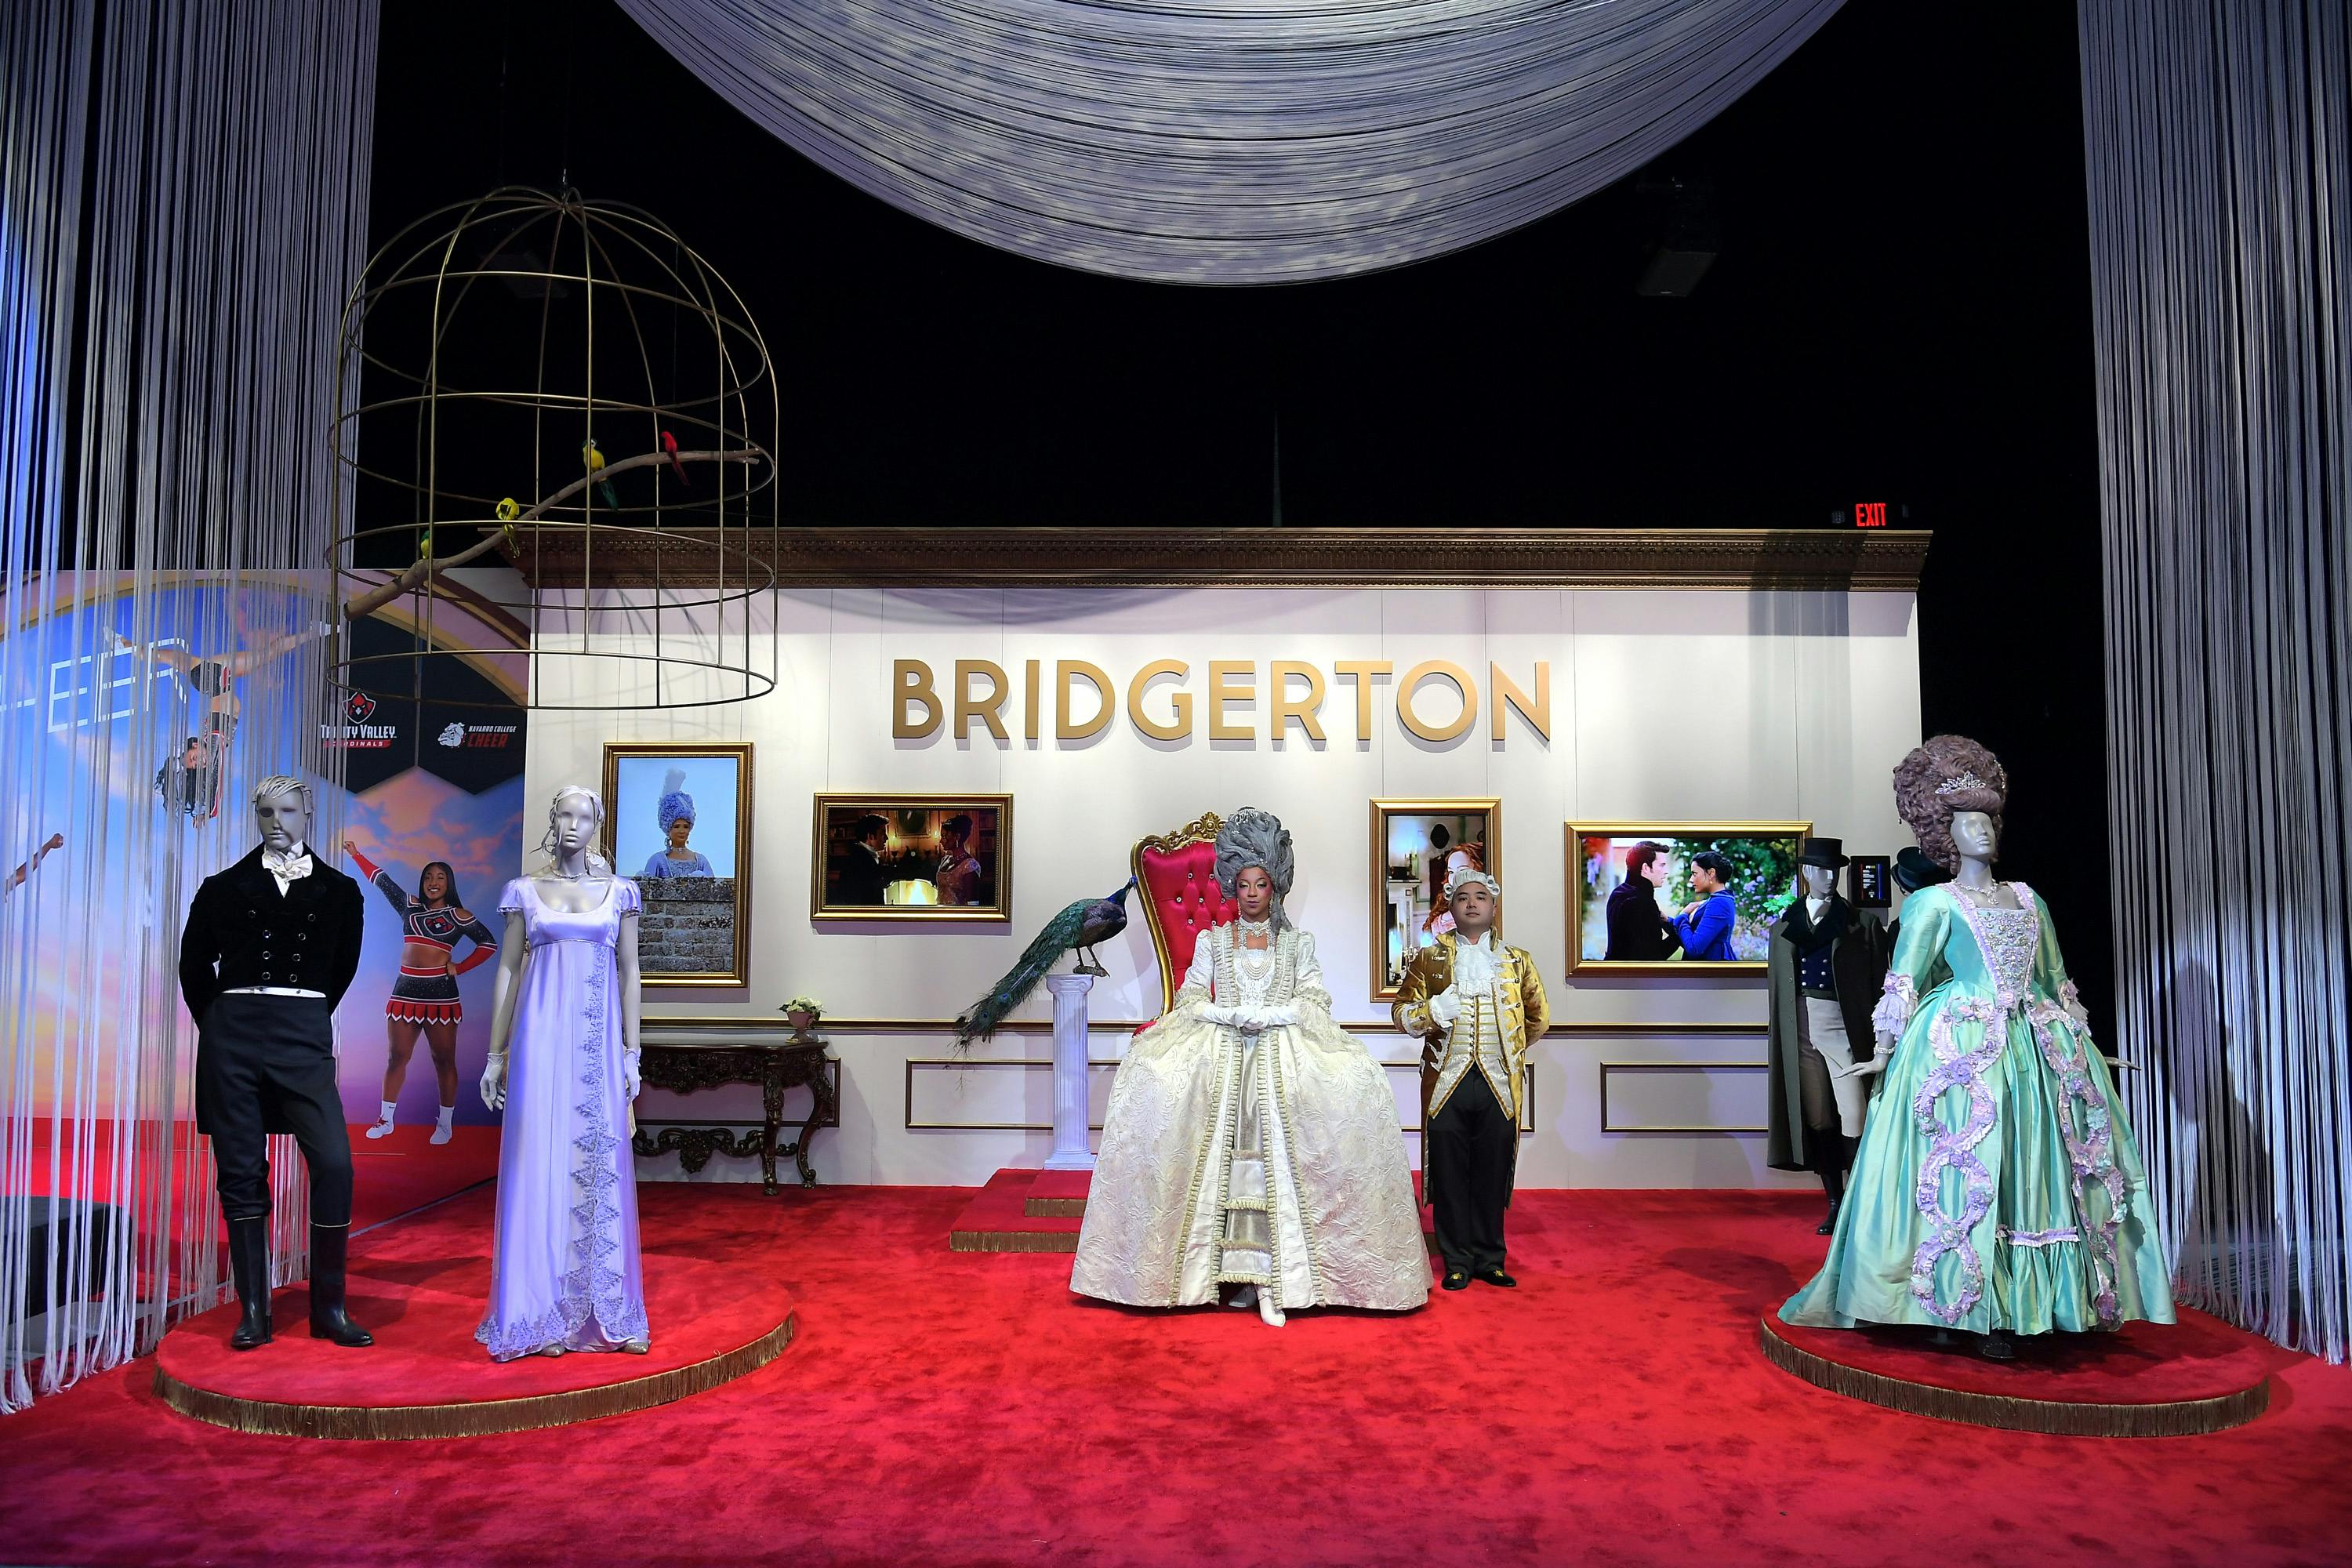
(595, 461)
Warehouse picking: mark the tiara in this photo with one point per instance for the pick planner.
(1965, 782)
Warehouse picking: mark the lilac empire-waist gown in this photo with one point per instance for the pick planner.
(564, 1267)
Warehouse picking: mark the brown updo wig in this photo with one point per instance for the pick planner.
(1927, 804)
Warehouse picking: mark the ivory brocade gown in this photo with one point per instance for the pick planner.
(1997, 1185)
(1270, 1158)
(565, 1267)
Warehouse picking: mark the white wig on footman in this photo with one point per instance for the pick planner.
(1466, 876)
(1254, 837)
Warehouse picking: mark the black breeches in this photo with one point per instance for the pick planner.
(1470, 1154)
(265, 1064)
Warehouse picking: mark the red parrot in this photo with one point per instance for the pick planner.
(669, 445)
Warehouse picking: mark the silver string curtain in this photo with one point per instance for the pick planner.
(1231, 142)
(2219, 165)
(182, 205)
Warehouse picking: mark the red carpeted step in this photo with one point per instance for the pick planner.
(421, 1285)
(1058, 1195)
(2198, 1374)
(998, 1219)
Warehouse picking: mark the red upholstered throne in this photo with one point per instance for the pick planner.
(1177, 875)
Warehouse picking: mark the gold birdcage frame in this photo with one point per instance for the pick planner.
(700, 559)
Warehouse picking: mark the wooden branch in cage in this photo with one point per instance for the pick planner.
(375, 598)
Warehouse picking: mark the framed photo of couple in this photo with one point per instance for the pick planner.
(1416, 845)
(912, 857)
(1677, 898)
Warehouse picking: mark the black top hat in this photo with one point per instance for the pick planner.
(1829, 852)
(1914, 870)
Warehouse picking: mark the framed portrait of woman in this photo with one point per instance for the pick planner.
(892, 856)
(1416, 845)
(679, 819)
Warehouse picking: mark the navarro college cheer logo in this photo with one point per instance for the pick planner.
(355, 733)
(492, 736)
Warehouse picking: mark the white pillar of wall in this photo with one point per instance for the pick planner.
(1070, 1118)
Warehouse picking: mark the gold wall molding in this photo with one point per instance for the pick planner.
(1866, 561)
(683, 1024)
(1608, 1068)
(907, 1102)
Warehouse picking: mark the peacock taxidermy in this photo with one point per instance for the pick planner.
(1079, 926)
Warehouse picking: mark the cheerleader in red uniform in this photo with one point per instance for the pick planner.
(424, 997)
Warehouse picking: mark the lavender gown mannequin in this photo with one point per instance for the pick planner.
(564, 1271)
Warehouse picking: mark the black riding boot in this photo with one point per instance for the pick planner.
(1829, 1160)
(248, 1267)
(328, 1246)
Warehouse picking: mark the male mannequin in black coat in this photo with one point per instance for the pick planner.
(270, 947)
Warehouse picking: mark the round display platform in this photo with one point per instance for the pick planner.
(2146, 1380)
(420, 1287)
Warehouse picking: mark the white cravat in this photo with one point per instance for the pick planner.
(1813, 908)
(287, 867)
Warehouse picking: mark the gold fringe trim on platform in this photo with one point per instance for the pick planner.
(403, 1422)
(1012, 1241)
(1054, 1208)
(2061, 1419)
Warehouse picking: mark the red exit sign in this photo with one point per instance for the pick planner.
(1870, 514)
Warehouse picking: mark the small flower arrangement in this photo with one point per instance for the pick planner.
(803, 1012)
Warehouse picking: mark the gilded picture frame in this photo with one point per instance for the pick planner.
(941, 858)
(696, 928)
(1409, 861)
(1598, 858)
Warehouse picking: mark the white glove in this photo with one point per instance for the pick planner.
(1445, 1007)
(494, 1080)
(1281, 1017)
(1226, 1017)
(632, 1073)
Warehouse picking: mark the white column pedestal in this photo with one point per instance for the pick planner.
(1070, 1098)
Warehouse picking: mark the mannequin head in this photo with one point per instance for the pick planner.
(1943, 779)
(1976, 835)
(1818, 882)
(574, 819)
(281, 812)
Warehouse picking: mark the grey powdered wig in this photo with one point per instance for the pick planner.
(1254, 837)
(1942, 775)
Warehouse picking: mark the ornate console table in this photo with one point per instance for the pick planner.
(774, 1066)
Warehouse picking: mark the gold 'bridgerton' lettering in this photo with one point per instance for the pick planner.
(1293, 693)
(1183, 699)
(1411, 683)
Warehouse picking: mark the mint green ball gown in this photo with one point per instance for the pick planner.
(1997, 1185)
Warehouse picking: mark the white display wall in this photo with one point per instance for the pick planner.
(1684, 705)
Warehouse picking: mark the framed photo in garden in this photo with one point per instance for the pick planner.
(1677, 898)
(678, 818)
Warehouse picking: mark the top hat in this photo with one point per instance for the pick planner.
(1829, 852)
(1914, 870)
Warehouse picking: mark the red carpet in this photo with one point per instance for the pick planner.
(963, 1408)
(420, 1287)
(2141, 1363)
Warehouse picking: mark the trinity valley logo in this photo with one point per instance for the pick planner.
(356, 733)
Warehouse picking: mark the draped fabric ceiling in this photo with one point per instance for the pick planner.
(1231, 142)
